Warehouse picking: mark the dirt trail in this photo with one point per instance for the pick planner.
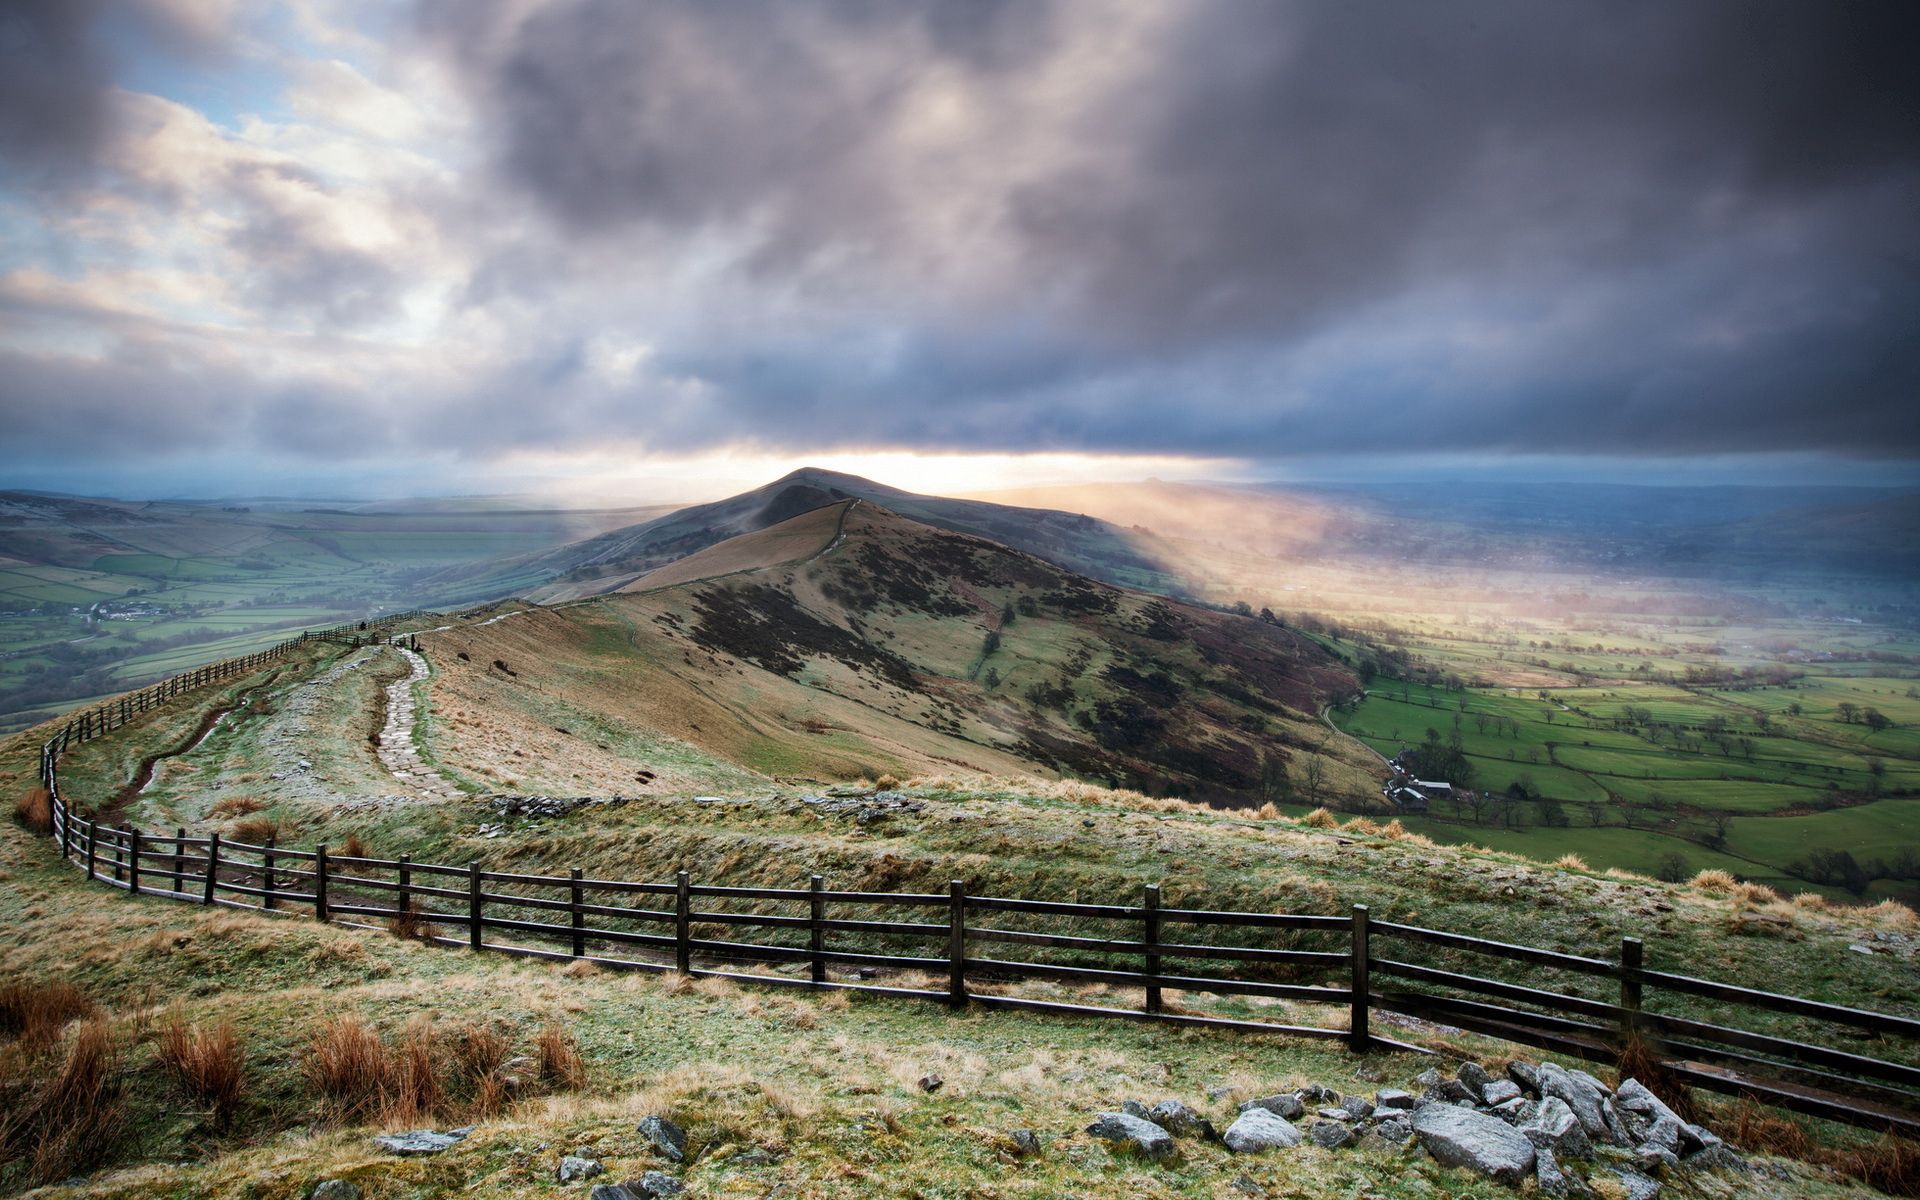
(397, 751)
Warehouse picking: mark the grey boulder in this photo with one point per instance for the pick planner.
(1635, 1186)
(651, 1186)
(1285, 1104)
(334, 1189)
(1132, 1134)
(665, 1136)
(1579, 1094)
(1332, 1135)
(421, 1141)
(1180, 1120)
(1461, 1137)
(1258, 1129)
(576, 1167)
(1499, 1091)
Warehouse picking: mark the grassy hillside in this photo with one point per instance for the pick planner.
(894, 647)
(812, 1095)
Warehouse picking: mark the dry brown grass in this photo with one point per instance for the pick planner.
(347, 1064)
(235, 806)
(1890, 1164)
(36, 1012)
(1713, 880)
(353, 847)
(409, 922)
(1320, 818)
(561, 1065)
(480, 1054)
(414, 1091)
(1571, 862)
(34, 809)
(208, 1064)
(64, 1119)
(257, 831)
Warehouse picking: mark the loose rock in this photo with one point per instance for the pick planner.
(574, 1167)
(1133, 1134)
(1286, 1104)
(1460, 1137)
(1180, 1120)
(1258, 1129)
(665, 1136)
(334, 1189)
(421, 1141)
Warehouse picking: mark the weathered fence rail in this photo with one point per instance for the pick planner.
(982, 948)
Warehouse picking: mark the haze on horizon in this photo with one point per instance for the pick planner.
(654, 251)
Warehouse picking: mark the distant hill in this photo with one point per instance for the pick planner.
(854, 639)
(614, 559)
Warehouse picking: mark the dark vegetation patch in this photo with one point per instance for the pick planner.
(768, 627)
(1080, 597)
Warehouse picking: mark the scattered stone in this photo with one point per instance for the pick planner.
(1552, 1180)
(1181, 1121)
(575, 1167)
(1578, 1095)
(1430, 1078)
(1655, 1159)
(1135, 1108)
(1635, 1186)
(665, 1136)
(1635, 1097)
(1395, 1130)
(1392, 1098)
(650, 1186)
(1460, 1137)
(1717, 1157)
(1134, 1134)
(1499, 1091)
(1248, 1185)
(334, 1189)
(1257, 1129)
(931, 1082)
(1332, 1135)
(421, 1141)
(1357, 1108)
(1314, 1093)
(544, 808)
(1665, 1133)
(1026, 1143)
(1526, 1075)
(1285, 1104)
(1553, 1125)
(1475, 1077)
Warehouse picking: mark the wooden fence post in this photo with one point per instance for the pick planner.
(403, 891)
(93, 847)
(1357, 1019)
(1150, 933)
(320, 882)
(683, 923)
(179, 863)
(213, 866)
(473, 906)
(66, 830)
(266, 864)
(132, 854)
(1631, 951)
(816, 933)
(576, 895)
(957, 943)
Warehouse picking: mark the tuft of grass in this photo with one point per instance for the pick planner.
(347, 1064)
(354, 847)
(35, 1013)
(561, 1064)
(207, 1063)
(235, 806)
(1571, 862)
(413, 1090)
(1713, 880)
(256, 831)
(1890, 1164)
(34, 809)
(480, 1054)
(66, 1119)
(409, 922)
(1320, 818)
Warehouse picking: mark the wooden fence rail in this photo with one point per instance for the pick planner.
(985, 949)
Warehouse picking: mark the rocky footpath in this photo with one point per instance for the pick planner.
(397, 751)
(1564, 1130)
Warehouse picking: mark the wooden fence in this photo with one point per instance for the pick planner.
(985, 949)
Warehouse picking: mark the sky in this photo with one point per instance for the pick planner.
(333, 247)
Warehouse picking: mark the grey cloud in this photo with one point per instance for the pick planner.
(1268, 178)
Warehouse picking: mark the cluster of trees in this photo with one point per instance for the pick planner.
(1854, 714)
(1838, 868)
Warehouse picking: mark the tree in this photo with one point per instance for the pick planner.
(1275, 784)
(1875, 719)
(1314, 776)
(1672, 868)
(1848, 711)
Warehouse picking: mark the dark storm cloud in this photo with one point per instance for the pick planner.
(1252, 228)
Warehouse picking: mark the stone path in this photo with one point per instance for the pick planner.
(397, 751)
